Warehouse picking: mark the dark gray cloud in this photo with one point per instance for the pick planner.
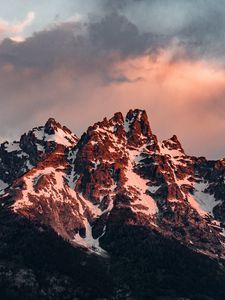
(85, 47)
(127, 28)
(117, 5)
(198, 26)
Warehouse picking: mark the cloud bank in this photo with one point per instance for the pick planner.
(169, 61)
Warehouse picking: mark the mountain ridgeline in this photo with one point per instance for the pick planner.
(115, 214)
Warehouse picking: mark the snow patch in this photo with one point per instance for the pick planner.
(3, 186)
(126, 125)
(141, 186)
(153, 189)
(172, 153)
(202, 201)
(88, 241)
(11, 147)
(56, 179)
(39, 133)
(60, 137)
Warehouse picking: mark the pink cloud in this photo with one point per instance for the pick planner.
(184, 97)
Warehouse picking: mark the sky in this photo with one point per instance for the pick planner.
(79, 61)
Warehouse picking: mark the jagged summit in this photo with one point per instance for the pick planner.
(118, 118)
(133, 130)
(138, 119)
(52, 122)
(52, 127)
(54, 131)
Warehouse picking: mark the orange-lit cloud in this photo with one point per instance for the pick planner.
(183, 97)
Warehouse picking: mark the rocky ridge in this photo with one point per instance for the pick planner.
(116, 173)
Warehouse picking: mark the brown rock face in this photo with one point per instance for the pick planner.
(138, 131)
(118, 173)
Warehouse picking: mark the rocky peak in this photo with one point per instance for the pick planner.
(54, 131)
(137, 119)
(51, 126)
(117, 118)
(110, 137)
(134, 128)
(18, 157)
(137, 127)
(44, 139)
(173, 144)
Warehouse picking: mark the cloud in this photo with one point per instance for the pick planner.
(185, 97)
(81, 71)
(137, 25)
(17, 38)
(196, 25)
(9, 29)
(190, 30)
(83, 47)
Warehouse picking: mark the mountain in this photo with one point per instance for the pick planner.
(18, 157)
(115, 214)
